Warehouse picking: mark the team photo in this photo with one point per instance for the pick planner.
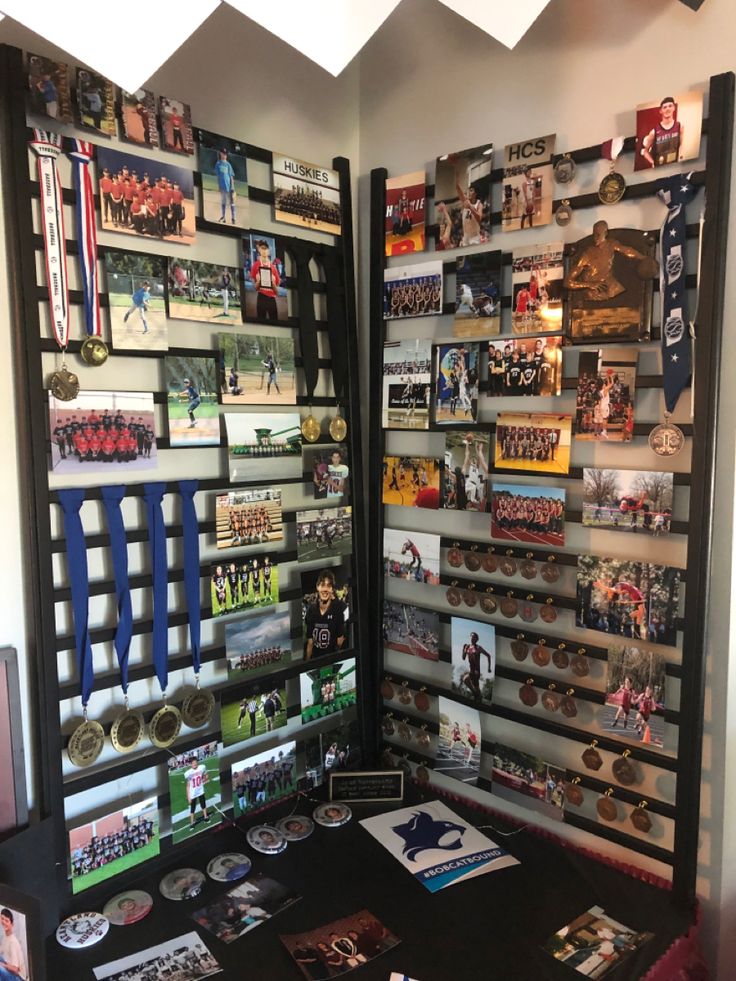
(525, 513)
(462, 198)
(414, 556)
(478, 295)
(137, 304)
(264, 269)
(604, 408)
(245, 584)
(465, 476)
(528, 367)
(176, 125)
(628, 500)
(324, 532)
(411, 630)
(194, 791)
(457, 367)
(258, 645)
(306, 194)
(256, 369)
(204, 291)
(407, 384)
(458, 749)
(260, 711)
(635, 695)
(100, 849)
(537, 274)
(473, 646)
(138, 114)
(412, 291)
(405, 207)
(263, 778)
(533, 441)
(224, 172)
(411, 481)
(327, 690)
(330, 470)
(183, 958)
(516, 773)
(248, 517)
(194, 415)
(325, 611)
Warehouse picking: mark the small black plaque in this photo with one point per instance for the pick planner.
(367, 785)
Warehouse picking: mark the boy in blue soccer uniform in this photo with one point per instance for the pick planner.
(226, 182)
(139, 302)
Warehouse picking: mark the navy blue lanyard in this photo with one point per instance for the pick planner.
(71, 501)
(153, 494)
(187, 490)
(111, 498)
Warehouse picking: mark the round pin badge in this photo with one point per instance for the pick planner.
(128, 907)
(332, 815)
(182, 884)
(295, 827)
(82, 930)
(266, 840)
(229, 867)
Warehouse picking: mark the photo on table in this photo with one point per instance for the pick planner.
(264, 269)
(248, 517)
(533, 441)
(628, 500)
(458, 749)
(96, 102)
(244, 907)
(465, 474)
(411, 630)
(255, 713)
(528, 184)
(176, 125)
(407, 381)
(186, 958)
(204, 291)
(258, 645)
(138, 116)
(631, 599)
(405, 207)
(527, 513)
(335, 749)
(306, 194)
(339, 946)
(462, 198)
(668, 130)
(244, 584)
(224, 172)
(411, 481)
(478, 295)
(531, 367)
(456, 376)
(412, 555)
(100, 431)
(594, 944)
(137, 301)
(473, 646)
(21, 943)
(330, 469)
(635, 695)
(326, 599)
(537, 274)
(113, 843)
(261, 443)
(194, 417)
(257, 369)
(521, 774)
(50, 88)
(324, 532)
(263, 778)
(194, 791)
(325, 691)
(412, 291)
(605, 396)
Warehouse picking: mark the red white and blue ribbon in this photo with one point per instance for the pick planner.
(81, 154)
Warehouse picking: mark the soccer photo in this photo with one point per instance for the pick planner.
(405, 206)
(49, 85)
(248, 517)
(635, 692)
(194, 415)
(204, 291)
(260, 711)
(462, 198)
(525, 367)
(528, 184)
(604, 407)
(478, 295)
(224, 171)
(194, 788)
(244, 907)
(185, 958)
(407, 381)
(413, 555)
(525, 513)
(411, 481)
(176, 125)
(540, 782)
(325, 611)
(330, 470)
(628, 500)
(411, 630)
(263, 778)
(465, 476)
(533, 441)
(631, 599)
(139, 118)
(306, 194)
(458, 749)
(537, 272)
(114, 843)
(255, 438)
(473, 658)
(244, 584)
(136, 294)
(96, 103)
(257, 369)
(145, 196)
(457, 368)
(258, 645)
(264, 269)
(668, 130)
(325, 691)
(412, 291)
(324, 532)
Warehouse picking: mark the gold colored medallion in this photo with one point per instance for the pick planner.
(311, 429)
(198, 708)
(165, 726)
(86, 743)
(127, 731)
(94, 351)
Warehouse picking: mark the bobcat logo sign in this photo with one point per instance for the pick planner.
(423, 833)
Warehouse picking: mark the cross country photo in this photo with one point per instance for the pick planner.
(473, 658)
(113, 843)
(194, 789)
(256, 369)
(411, 555)
(138, 117)
(263, 778)
(206, 291)
(306, 194)
(411, 481)
(635, 695)
(176, 125)
(136, 294)
(327, 690)
(248, 517)
(329, 466)
(462, 198)
(258, 645)
(324, 532)
(478, 295)
(411, 630)
(264, 269)
(628, 500)
(407, 382)
(525, 513)
(194, 415)
(224, 171)
(244, 584)
(260, 711)
(458, 749)
(533, 441)
(405, 206)
(516, 773)
(465, 476)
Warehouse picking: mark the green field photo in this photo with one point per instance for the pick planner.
(238, 599)
(118, 865)
(237, 724)
(180, 806)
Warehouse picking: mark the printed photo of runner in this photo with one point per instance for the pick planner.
(258, 645)
(473, 658)
(205, 291)
(260, 779)
(458, 749)
(533, 441)
(628, 500)
(542, 784)
(306, 194)
(465, 475)
(525, 367)
(323, 532)
(139, 122)
(248, 517)
(325, 610)
(605, 398)
(136, 293)
(413, 555)
(224, 171)
(537, 273)
(457, 368)
(330, 470)
(411, 630)
(462, 198)
(194, 788)
(407, 381)
(50, 88)
(176, 125)
(256, 369)
(327, 690)
(412, 291)
(478, 295)
(528, 184)
(411, 481)
(525, 513)
(635, 695)
(96, 102)
(264, 269)
(405, 205)
(668, 130)
(191, 385)
(254, 713)
(244, 584)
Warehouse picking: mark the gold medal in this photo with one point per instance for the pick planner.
(666, 439)
(198, 708)
(338, 428)
(64, 384)
(127, 731)
(311, 429)
(165, 726)
(86, 743)
(611, 189)
(94, 351)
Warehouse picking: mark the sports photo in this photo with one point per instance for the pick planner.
(100, 849)
(205, 291)
(604, 408)
(537, 273)
(306, 194)
(257, 369)
(50, 87)
(635, 695)
(533, 441)
(327, 690)
(628, 500)
(100, 431)
(668, 130)
(244, 907)
(594, 944)
(339, 946)
(258, 645)
(462, 198)
(405, 206)
(330, 469)
(194, 789)
(478, 295)
(224, 172)
(264, 269)
(263, 778)
(194, 415)
(411, 630)
(411, 481)
(542, 784)
(96, 103)
(326, 598)
(407, 382)
(456, 376)
(525, 367)
(260, 711)
(525, 513)
(413, 555)
(137, 304)
(244, 584)
(465, 475)
(139, 119)
(631, 599)
(335, 749)
(412, 291)
(176, 125)
(183, 958)
(473, 647)
(324, 532)
(145, 196)
(248, 517)
(458, 749)
(261, 443)
(528, 184)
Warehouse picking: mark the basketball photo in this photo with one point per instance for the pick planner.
(405, 206)
(407, 382)
(462, 198)
(411, 481)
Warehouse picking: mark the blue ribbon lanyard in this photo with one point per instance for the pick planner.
(71, 501)
(111, 498)
(153, 494)
(187, 490)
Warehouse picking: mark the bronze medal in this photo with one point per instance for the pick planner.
(540, 656)
(338, 428)
(641, 820)
(404, 732)
(564, 169)
(490, 563)
(666, 440)
(548, 613)
(455, 557)
(550, 701)
(405, 765)
(624, 771)
(528, 569)
(387, 689)
(606, 809)
(454, 596)
(528, 695)
(573, 794)
(387, 759)
(423, 738)
(528, 612)
(127, 731)
(560, 659)
(520, 650)
(550, 572)
(488, 603)
(592, 758)
(64, 384)
(165, 726)
(563, 215)
(311, 429)
(580, 665)
(94, 351)
(422, 773)
(404, 693)
(387, 726)
(472, 561)
(470, 597)
(86, 743)
(568, 707)
(507, 567)
(198, 708)
(509, 607)
(421, 701)
(612, 188)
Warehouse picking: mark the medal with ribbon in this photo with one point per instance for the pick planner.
(336, 319)
(613, 185)
(302, 253)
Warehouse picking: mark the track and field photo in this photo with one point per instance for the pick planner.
(525, 513)
(458, 749)
(411, 630)
(628, 500)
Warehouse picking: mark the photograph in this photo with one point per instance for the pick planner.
(528, 184)
(458, 749)
(457, 369)
(14, 799)
(306, 194)
(324, 532)
(21, 943)
(593, 944)
(204, 291)
(97, 431)
(340, 946)
(224, 171)
(465, 475)
(517, 773)
(411, 481)
(537, 274)
(631, 599)
(668, 130)
(50, 87)
(176, 125)
(526, 513)
(113, 843)
(525, 367)
(405, 207)
(413, 555)
(407, 382)
(411, 630)
(248, 517)
(327, 690)
(325, 611)
(184, 958)
(257, 369)
(244, 584)
(194, 789)
(96, 103)
(635, 695)
(258, 645)
(265, 777)
(334, 749)
(628, 500)
(254, 438)
(478, 295)
(462, 198)
(138, 114)
(533, 441)
(260, 711)
(412, 291)
(473, 658)
(145, 196)
(137, 301)
(245, 907)
(193, 412)
(264, 269)
(604, 406)
(329, 466)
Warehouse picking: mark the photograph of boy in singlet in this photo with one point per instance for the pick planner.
(668, 131)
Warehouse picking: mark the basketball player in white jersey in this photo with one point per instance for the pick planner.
(472, 215)
(475, 471)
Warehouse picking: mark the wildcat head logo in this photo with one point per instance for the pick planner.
(422, 833)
